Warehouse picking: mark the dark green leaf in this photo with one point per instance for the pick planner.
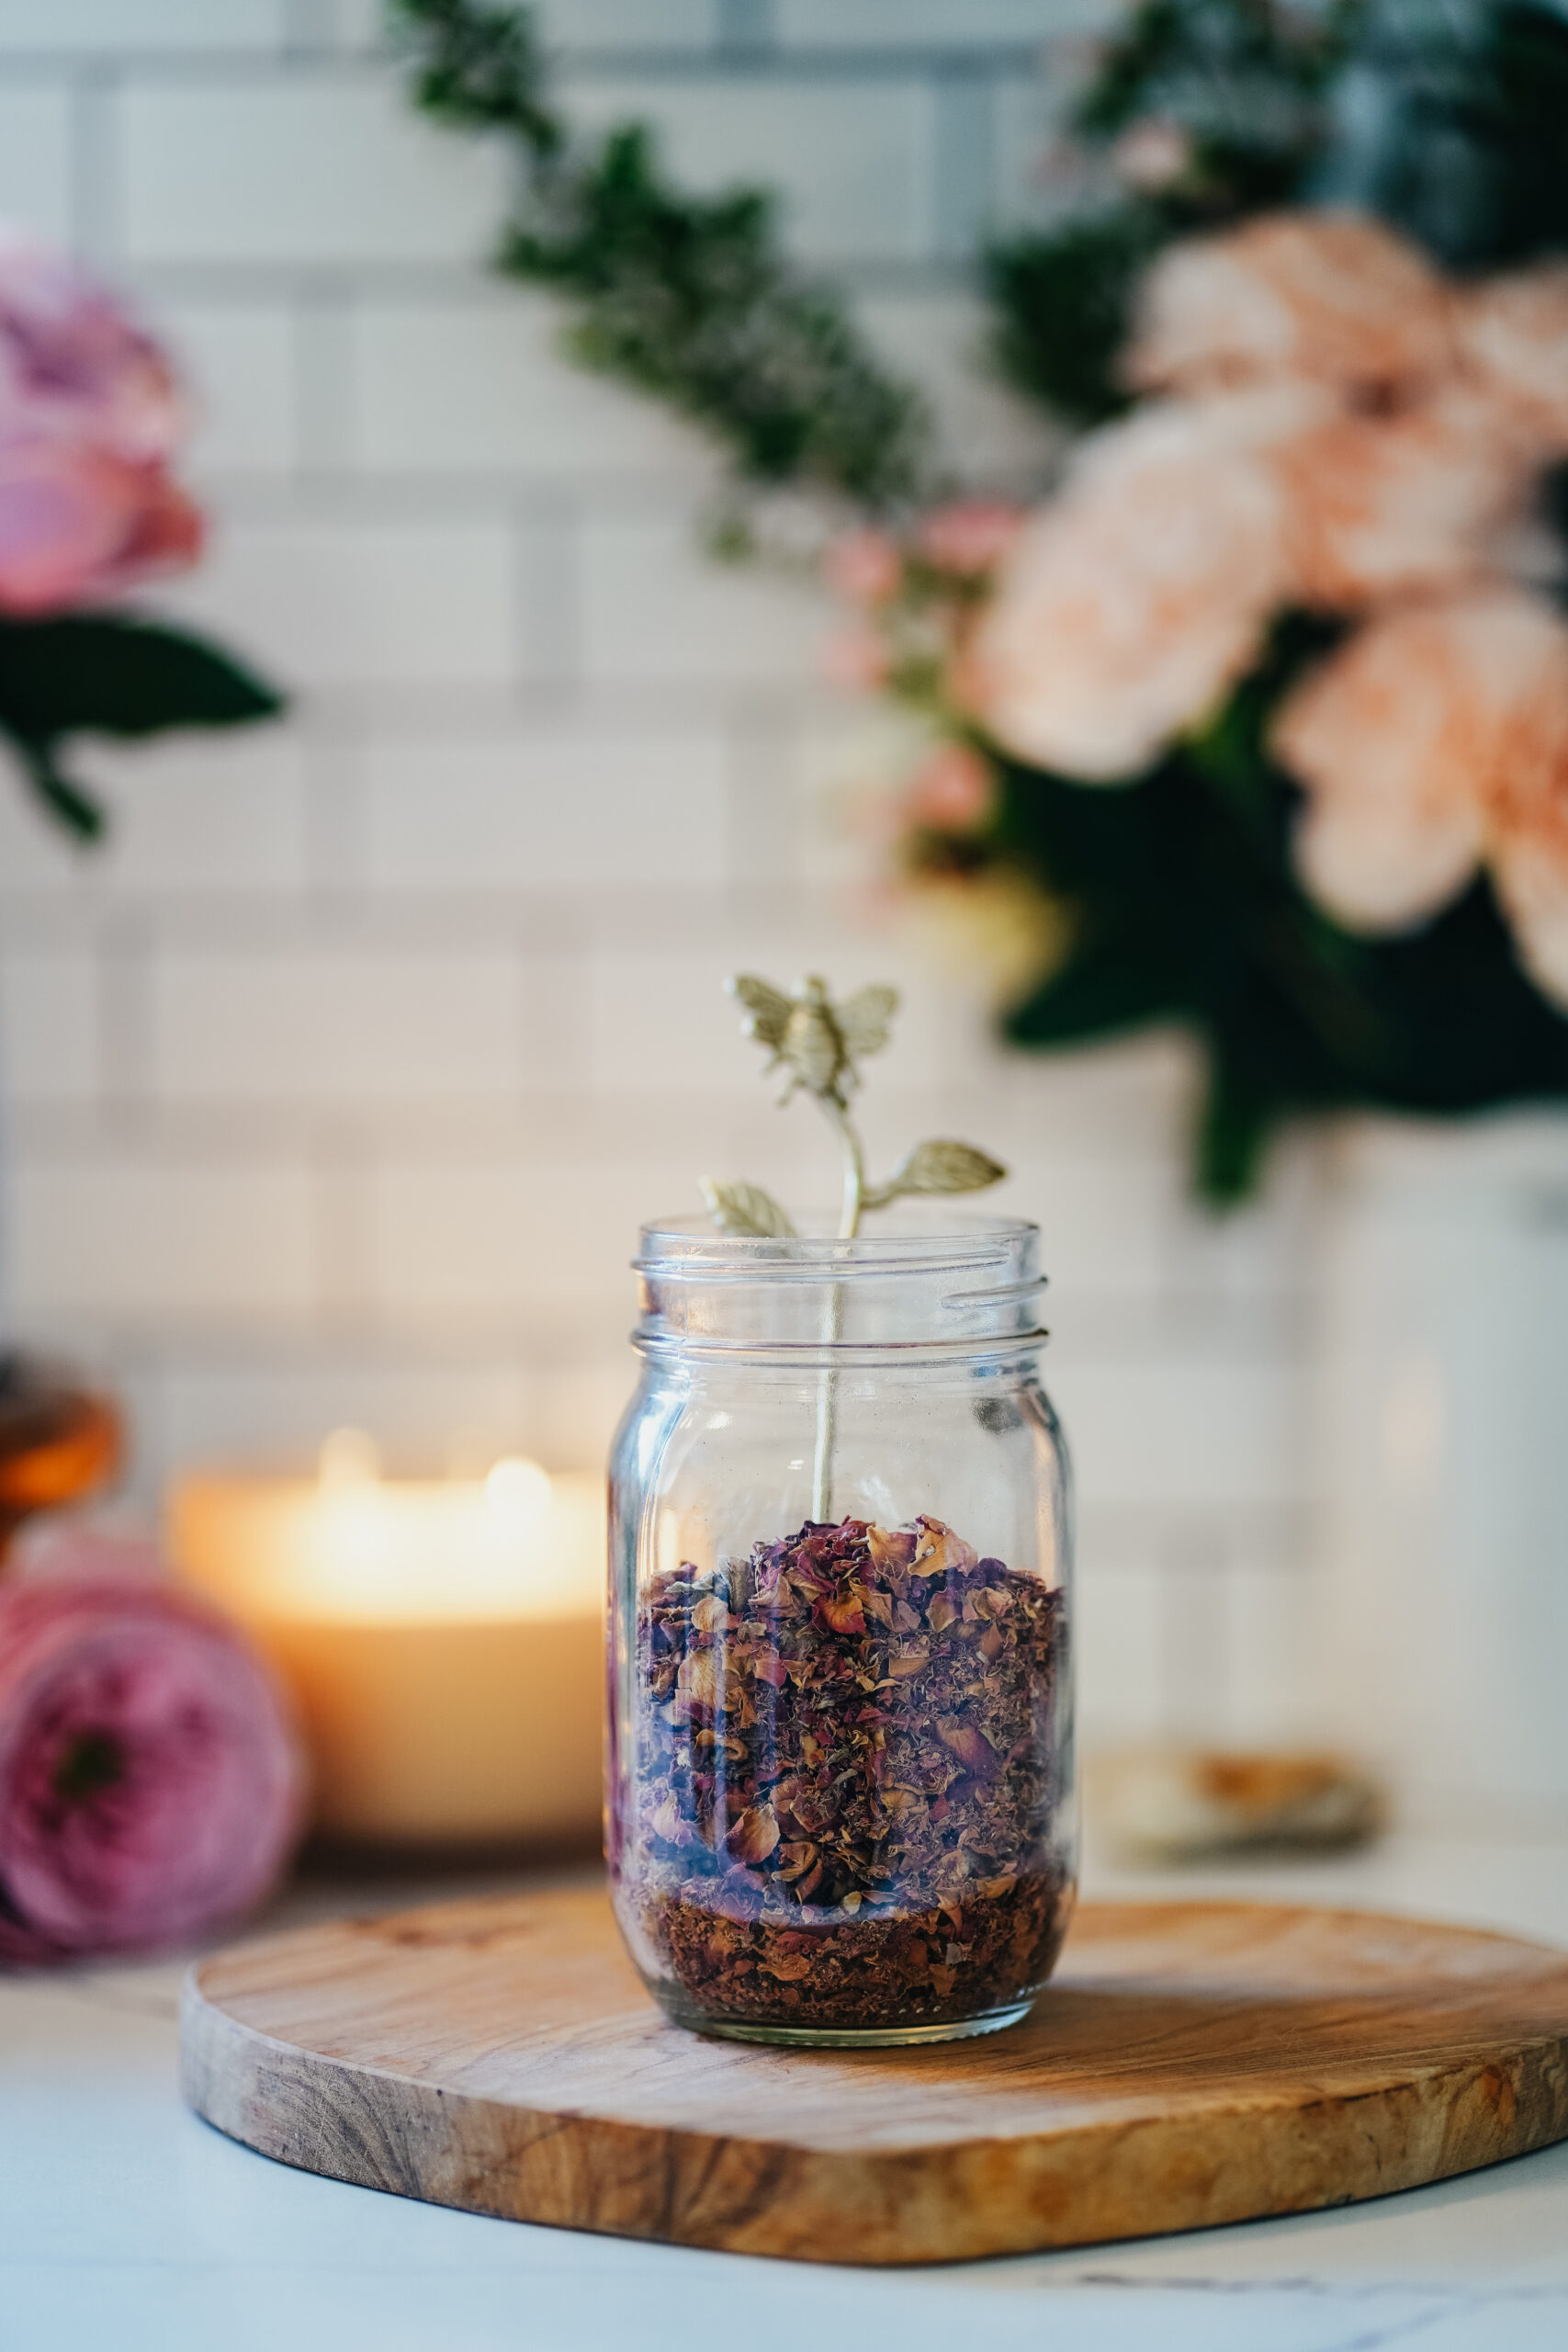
(114, 674)
(64, 801)
(1232, 1132)
(1062, 302)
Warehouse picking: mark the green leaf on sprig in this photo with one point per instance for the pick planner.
(939, 1165)
(746, 1209)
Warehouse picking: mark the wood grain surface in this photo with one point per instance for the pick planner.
(1190, 2063)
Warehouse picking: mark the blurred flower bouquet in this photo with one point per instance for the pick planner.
(1271, 694)
(91, 418)
(1270, 701)
(1265, 712)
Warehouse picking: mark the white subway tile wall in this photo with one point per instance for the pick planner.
(335, 1084)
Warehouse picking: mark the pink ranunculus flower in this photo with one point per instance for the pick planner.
(1437, 740)
(90, 416)
(1512, 340)
(150, 1786)
(1129, 605)
(864, 567)
(1329, 296)
(1419, 498)
(971, 536)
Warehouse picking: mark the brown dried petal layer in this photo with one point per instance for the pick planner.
(920, 1968)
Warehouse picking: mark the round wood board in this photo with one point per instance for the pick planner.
(1189, 2064)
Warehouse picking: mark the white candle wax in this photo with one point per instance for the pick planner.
(444, 1638)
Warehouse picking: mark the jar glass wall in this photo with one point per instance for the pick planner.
(841, 1803)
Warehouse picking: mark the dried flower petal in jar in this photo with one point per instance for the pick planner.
(845, 1804)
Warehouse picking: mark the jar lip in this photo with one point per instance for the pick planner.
(691, 1247)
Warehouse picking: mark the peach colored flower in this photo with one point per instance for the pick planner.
(970, 537)
(1418, 497)
(1129, 605)
(954, 791)
(1330, 296)
(864, 567)
(1434, 741)
(1513, 337)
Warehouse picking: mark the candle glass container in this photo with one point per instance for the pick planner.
(841, 1800)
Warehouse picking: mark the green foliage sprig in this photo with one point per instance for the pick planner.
(1177, 892)
(692, 298)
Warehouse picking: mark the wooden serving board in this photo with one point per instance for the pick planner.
(1189, 2064)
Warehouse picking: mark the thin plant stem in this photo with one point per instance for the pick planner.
(833, 1313)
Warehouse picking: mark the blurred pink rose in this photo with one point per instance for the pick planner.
(77, 522)
(970, 537)
(150, 1785)
(72, 360)
(1513, 336)
(864, 567)
(89, 417)
(1435, 739)
(1419, 498)
(954, 791)
(1130, 605)
(1328, 295)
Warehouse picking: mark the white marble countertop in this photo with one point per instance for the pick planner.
(126, 2225)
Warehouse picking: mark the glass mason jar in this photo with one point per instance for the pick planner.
(841, 1800)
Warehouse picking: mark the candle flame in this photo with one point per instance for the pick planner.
(518, 1486)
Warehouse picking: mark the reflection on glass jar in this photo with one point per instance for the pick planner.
(841, 1802)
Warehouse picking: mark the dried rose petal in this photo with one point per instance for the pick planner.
(972, 1749)
(789, 1965)
(701, 1680)
(755, 1835)
(940, 1552)
(889, 1547)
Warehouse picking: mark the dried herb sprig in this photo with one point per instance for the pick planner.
(817, 1044)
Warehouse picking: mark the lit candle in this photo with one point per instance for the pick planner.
(444, 1638)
